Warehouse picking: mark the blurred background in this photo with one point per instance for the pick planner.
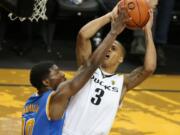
(153, 108)
(25, 43)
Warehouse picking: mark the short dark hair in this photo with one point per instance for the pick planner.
(122, 48)
(39, 72)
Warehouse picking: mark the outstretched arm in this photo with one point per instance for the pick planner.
(141, 73)
(83, 44)
(59, 99)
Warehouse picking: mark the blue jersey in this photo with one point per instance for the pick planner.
(35, 120)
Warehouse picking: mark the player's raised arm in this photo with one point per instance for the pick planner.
(61, 96)
(141, 73)
(83, 43)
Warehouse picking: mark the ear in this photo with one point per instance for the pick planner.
(121, 59)
(46, 82)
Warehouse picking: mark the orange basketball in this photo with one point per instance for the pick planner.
(138, 10)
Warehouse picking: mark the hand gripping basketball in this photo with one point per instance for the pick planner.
(138, 11)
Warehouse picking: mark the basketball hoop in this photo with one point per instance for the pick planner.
(39, 12)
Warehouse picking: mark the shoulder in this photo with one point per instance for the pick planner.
(120, 76)
(47, 107)
(31, 98)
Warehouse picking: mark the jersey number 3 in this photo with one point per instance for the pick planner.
(97, 99)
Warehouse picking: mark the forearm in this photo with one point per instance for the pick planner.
(101, 51)
(92, 64)
(92, 27)
(83, 44)
(150, 56)
(141, 73)
(117, 26)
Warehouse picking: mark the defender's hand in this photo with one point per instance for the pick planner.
(114, 12)
(118, 23)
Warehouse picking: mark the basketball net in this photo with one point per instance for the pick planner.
(39, 12)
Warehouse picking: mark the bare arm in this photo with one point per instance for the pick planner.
(83, 44)
(59, 99)
(141, 73)
(153, 3)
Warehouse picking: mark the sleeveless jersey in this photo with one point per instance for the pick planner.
(92, 110)
(35, 120)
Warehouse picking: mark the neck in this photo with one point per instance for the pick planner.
(110, 70)
(42, 90)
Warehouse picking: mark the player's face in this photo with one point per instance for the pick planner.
(113, 56)
(56, 76)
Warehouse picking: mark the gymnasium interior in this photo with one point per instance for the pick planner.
(152, 108)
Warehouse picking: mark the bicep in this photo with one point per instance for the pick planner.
(58, 102)
(83, 50)
(124, 90)
(136, 77)
(65, 90)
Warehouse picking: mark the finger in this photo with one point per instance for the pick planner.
(125, 13)
(121, 3)
(151, 10)
(121, 16)
(123, 9)
(128, 19)
(121, 6)
(151, 13)
(112, 17)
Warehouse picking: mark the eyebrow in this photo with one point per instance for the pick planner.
(114, 45)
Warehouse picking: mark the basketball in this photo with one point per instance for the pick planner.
(138, 10)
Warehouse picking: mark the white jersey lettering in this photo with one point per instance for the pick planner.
(92, 110)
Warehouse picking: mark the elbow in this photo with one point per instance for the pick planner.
(150, 69)
(81, 34)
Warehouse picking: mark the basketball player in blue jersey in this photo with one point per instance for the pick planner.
(44, 112)
(92, 110)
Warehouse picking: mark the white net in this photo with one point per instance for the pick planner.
(39, 12)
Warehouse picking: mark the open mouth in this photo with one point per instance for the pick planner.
(107, 56)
